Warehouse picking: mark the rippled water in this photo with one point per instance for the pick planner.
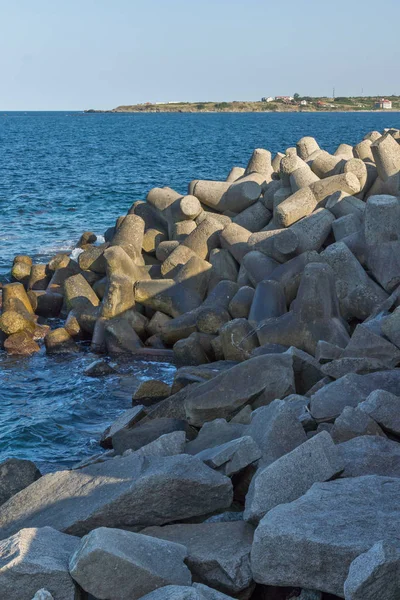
(63, 173)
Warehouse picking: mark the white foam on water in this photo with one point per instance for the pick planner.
(100, 239)
(75, 253)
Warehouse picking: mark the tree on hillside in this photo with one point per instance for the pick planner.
(296, 96)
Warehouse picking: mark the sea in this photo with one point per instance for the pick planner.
(62, 173)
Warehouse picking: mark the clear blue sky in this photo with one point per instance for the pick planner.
(57, 55)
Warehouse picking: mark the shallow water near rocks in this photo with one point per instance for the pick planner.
(63, 173)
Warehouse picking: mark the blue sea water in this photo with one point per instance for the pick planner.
(62, 173)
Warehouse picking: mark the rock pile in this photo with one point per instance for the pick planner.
(270, 469)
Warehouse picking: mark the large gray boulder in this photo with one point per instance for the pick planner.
(231, 457)
(176, 592)
(168, 444)
(312, 541)
(144, 433)
(112, 564)
(289, 477)
(37, 558)
(15, 475)
(328, 402)
(116, 494)
(370, 455)
(215, 433)
(384, 408)
(375, 575)
(353, 422)
(276, 430)
(218, 553)
(224, 395)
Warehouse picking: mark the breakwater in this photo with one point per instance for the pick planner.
(269, 466)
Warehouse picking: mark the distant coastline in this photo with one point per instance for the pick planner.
(299, 105)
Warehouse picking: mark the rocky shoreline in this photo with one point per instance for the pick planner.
(270, 468)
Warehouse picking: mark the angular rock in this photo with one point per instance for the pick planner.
(328, 402)
(290, 476)
(276, 430)
(142, 433)
(218, 553)
(127, 419)
(15, 475)
(353, 422)
(312, 541)
(168, 444)
(197, 592)
(370, 455)
(374, 574)
(384, 408)
(224, 395)
(215, 433)
(116, 494)
(150, 392)
(121, 565)
(231, 457)
(35, 558)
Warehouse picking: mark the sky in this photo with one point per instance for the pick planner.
(76, 55)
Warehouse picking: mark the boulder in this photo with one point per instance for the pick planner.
(375, 574)
(15, 475)
(35, 558)
(21, 344)
(150, 392)
(353, 422)
(218, 553)
(127, 419)
(121, 565)
(312, 541)
(291, 475)
(328, 402)
(224, 395)
(215, 433)
(370, 455)
(142, 433)
(168, 444)
(197, 592)
(43, 595)
(116, 494)
(231, 457)
(276, 430)
(384, 408)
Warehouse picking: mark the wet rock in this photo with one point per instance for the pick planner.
(34, 558)
(14, 322)
(119, 495)
(99, 368)
(218, 553)
(121, 565)
(290, 476)
(59, 341)
(312, 541)
(15, 475)
(21, 344)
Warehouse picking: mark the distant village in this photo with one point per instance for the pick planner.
(295, 103)
(380, 103)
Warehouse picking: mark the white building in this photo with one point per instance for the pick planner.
(303, 102)
(383, 104)
(267, 99)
